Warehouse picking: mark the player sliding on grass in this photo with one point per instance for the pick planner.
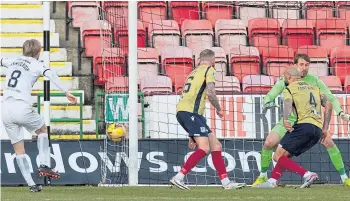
(302, 62)
(190, 109)
(17, 111)
(305, 101)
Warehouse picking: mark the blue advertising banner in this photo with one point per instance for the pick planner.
(80, 162)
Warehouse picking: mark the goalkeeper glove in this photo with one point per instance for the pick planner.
(268, 105)
(344, 116)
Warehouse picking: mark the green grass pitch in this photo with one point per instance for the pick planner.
(316, 193)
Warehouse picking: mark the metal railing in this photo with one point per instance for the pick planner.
(70, 120)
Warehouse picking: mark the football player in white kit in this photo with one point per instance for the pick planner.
(17, 111)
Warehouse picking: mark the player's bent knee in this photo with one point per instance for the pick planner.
(328, 142)
(19, 148)
(41, 130)
(217, 147)
(271, 141)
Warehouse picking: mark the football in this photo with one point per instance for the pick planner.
(116, 132)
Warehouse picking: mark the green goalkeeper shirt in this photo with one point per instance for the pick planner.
(311, 79)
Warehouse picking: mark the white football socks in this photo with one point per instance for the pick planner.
(179, 176)
(23, 165)
(225, 181)
(263, 174)
(43, 147)
(344, 177)
(272, 181)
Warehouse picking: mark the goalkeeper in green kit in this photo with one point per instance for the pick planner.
(302, 62)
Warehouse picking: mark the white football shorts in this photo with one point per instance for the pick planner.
(17, 114)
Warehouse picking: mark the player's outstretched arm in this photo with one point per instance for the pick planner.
(56, 80)
(327, 116)
(269, 99)
(213, 99)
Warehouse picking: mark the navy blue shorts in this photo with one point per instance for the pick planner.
(194, 124)
(302, 138)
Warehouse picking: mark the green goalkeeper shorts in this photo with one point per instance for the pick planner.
(280, 129)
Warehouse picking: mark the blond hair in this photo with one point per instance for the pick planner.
(31, 48)
(206, 55)
(293, 71)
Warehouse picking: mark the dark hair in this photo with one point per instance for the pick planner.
(301, 56)
(206, 54)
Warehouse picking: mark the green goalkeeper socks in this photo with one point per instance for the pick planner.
(336, 159)
(266, 158)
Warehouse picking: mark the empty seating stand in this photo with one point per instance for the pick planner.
(264, 32)
(81, 11)
(177, 63)
(276, 59)
(343, 10)
(228, 84)
(116, 13)
(347, 84)
(122, 36)
(214, 11)
(319, 59)
(283, 10)
(333, 83)
(117, 84)
(153, 85)
(297, 33)
(331, 33)
(257, 83)
(163, 33)
(340, 62)
(249, 10)
(318, 10)
(182, 10)
(109, 63)
(151, 10)
(91, 36)
(197, 34)
(230, 32)
(244, 61)
(147, 62)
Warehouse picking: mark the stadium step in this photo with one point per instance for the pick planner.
(17, 39)
(89, 126)
(56, 54)
(21, 11)
(68, 111)
(24, 25)
(61, 68)
(70, 83)
(53, 99)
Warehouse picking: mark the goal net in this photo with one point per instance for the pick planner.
(254, 42)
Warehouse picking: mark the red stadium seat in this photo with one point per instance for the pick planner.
(332, 82)
(347, 84)
(257, 83)
(276, 59)
(297, 33)
(244, 61)
(227, 84)
(117, 84)
(340, 62)
(91, 36)
(318, 10)
(331, 33)
(230, 32)
(122, 35)
(197, 34)
(343, 10)
(182, 10)
(81, 11)
(319, 59)
(177, 63)
(264, 32)
(152, 10)
(116, 13)
(107, 64)
(214, 11)
(283, 10)
(248, 10)
(164, 33)
(147, 62)
(153, 85)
